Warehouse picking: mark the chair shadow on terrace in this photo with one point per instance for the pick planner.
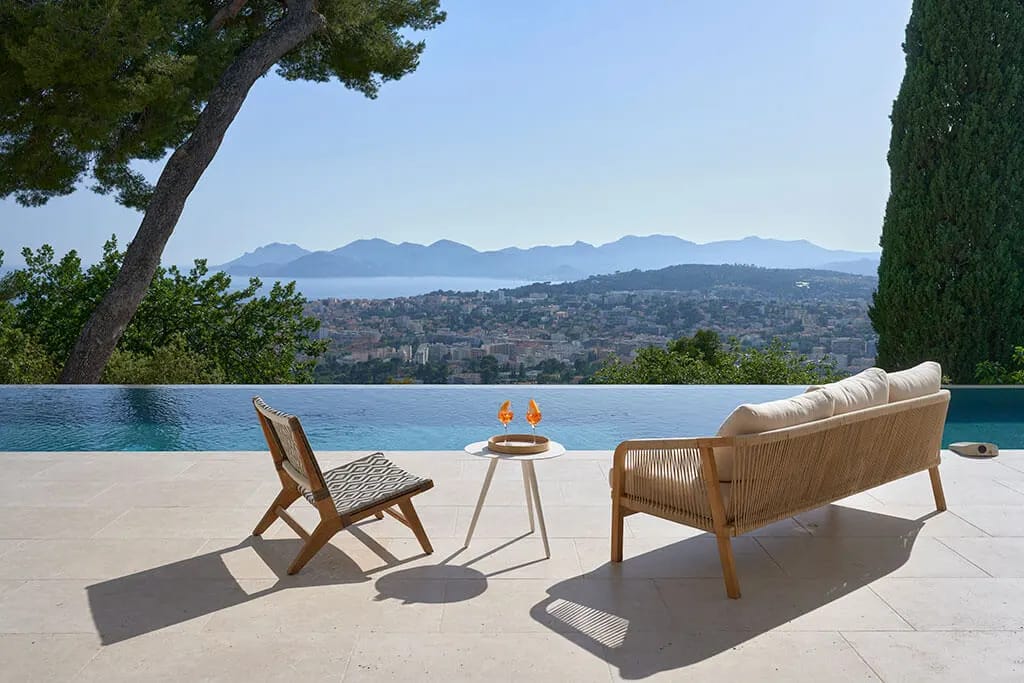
(622, 620)
(175, 593)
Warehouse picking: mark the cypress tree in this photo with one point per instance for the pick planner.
(950, 282)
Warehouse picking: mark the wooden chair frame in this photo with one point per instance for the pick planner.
(331, 521)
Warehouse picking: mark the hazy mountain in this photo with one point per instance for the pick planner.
(320, 264)
(376, 257)
(443, 257)
(265, 257)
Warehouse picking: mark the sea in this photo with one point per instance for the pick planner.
(387, 287)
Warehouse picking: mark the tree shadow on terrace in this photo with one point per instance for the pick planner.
(643, 627)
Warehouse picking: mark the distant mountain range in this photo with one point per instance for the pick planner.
(377, 257)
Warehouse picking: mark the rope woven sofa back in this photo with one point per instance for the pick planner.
(787, 471)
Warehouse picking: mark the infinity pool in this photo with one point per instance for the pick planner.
(419, 417)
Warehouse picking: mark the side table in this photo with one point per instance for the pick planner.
(480, 450)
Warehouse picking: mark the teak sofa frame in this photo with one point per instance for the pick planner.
(777, 474)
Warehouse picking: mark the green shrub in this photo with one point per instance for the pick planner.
(22, 360)
(172, 363)
(991, 372)
(190, 327)
(702, 359)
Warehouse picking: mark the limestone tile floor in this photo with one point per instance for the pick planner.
(138, 566)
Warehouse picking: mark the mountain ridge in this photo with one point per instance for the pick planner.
(377, 257)
(727, 280)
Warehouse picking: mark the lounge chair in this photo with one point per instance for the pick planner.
(371, 485)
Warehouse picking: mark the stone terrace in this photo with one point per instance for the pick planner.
(138, 566)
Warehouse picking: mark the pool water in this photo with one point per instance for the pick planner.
(992, 414)
(417, 417)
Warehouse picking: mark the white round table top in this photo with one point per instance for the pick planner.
(480, 449)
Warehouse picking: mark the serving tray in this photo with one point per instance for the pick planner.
(518, 444)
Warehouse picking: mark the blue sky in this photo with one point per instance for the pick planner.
(542, 122)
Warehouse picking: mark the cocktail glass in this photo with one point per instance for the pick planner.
(505, 415)
(533, 416)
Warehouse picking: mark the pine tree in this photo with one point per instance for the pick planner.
(951, 286)
(88, 88)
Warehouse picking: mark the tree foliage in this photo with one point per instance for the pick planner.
(951, 278)
(191, 326)
(703, 359)
(22, 359)
(992, 372)
(172, 363)
(88, 87)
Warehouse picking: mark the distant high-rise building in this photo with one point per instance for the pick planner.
(848, 345)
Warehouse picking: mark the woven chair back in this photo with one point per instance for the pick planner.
(289, 446)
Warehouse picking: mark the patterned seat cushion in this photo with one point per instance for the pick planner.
(365, 482)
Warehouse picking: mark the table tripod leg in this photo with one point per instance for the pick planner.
(540, 512)
(526, 487)
(480, 501)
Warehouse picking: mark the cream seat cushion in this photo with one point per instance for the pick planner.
(864, 390)
(662, 490)
(753, 418)
(920, 380)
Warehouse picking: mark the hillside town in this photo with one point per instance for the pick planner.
(545, 333)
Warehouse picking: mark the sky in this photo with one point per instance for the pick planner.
(550, 121)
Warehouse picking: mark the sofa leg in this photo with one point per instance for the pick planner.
(940, 497)
(732, 583)
(617, 524)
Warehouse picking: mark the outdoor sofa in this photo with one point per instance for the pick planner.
(774, 460)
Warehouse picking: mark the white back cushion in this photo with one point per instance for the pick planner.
(920, 380)
(864, 390)
(752, 418)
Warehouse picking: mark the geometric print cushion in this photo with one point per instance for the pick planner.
(365, 482)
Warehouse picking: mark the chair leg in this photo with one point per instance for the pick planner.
(617, 530)
(940, 497)
(732, 583)
(317, 540)
(285, 498)
(378, 515)
(414, 523)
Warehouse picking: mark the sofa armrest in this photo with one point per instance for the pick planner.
(673, 478)
(650, 446)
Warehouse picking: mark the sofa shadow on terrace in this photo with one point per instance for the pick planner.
(608, 611)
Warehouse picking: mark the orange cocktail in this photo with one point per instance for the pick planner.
(505, 414)
(533, 416)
